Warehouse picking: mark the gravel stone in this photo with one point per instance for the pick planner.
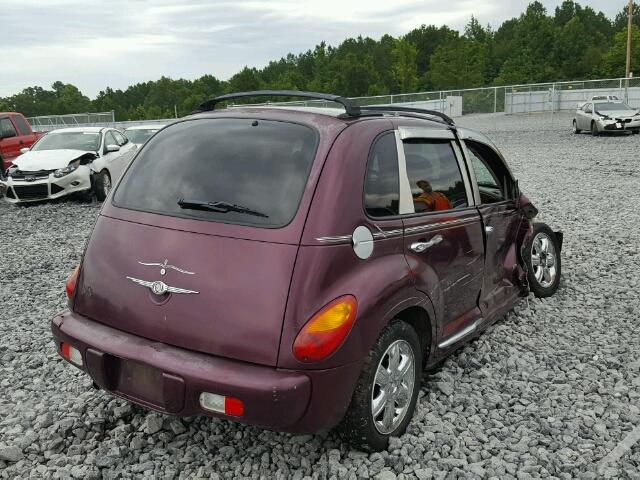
(547, 392)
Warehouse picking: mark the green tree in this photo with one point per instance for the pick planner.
(404, 66)
(615, 59)
(459, 63)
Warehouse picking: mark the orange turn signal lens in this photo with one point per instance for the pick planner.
(327, 329)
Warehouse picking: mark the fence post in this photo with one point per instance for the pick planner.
(495, 100)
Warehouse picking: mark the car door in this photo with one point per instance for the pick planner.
(585, 117)
(501, 220)
(442, 230)
(127, 150)
(110, 160)
(9, 140)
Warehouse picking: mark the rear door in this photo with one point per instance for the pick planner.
(442, 229)
(10, 141)
(501, 221)
(127, 150)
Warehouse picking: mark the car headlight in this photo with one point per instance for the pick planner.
(61, 172)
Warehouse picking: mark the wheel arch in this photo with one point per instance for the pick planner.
(418, 318)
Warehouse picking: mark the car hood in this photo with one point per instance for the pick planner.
(618, 113)
(47, 159)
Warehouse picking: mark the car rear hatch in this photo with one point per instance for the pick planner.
(198, 247)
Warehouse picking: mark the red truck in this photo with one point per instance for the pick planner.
(15, 134)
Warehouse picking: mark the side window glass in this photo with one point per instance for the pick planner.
(587, 108)
(382, 185)
(109, 140)
(493, 178)
(434, 176)
(22, 125)
(120, 138)
(6, 127)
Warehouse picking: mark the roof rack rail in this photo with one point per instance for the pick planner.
(350, 108)
(390, 108)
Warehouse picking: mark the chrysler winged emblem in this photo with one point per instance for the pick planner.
(158, 287)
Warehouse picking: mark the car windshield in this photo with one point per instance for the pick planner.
(611, 106)
(85, 141)
(140, 136)
(242, 171)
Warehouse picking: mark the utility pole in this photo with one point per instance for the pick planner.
(628, 70)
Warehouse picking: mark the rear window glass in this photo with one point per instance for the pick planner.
(242, 171)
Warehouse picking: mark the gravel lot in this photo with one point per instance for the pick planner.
(547, 392)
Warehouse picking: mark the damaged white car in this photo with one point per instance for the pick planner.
(601, 116)
(66, 161)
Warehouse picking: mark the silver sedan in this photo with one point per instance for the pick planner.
(606, 116)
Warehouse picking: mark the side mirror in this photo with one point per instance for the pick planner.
(24, 150)
(112, 148)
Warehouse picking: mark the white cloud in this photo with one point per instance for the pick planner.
(95, 44)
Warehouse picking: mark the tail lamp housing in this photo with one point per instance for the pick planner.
(71, 354)
(213, 402)
(325, 332)
(70, 286)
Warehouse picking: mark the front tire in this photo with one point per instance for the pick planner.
(575, 127)
(385, 397)
(544, 266)
(635, 132)
(594, 129)
(102, 185)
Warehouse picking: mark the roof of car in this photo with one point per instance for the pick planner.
(334, 114)
(78, 129)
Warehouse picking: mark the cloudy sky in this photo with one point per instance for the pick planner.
(94, 44)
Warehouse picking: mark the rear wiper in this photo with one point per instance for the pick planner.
(220, 207)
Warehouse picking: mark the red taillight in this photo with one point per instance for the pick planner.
(233, 407)
(71, 354)
(325, 332)
(219, 403)
(71, 282)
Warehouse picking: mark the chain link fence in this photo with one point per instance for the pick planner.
(549, 98)
(46, 123)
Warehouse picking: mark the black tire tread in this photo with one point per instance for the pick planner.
(534, 286)
(357, 426)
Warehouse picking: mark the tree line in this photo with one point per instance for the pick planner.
(576, 42)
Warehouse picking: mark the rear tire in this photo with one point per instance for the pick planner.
(544, 265)
(635, 132)
(389, 383)
(575, 127)
(594, 129)
(102, 185)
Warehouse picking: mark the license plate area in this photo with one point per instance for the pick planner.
(142, 382)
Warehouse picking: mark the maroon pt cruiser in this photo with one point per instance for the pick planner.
(297, 268)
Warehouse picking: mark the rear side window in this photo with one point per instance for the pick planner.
(6, 128)
(21, 123)
(434, 176)
(242, 171)
(382, 185)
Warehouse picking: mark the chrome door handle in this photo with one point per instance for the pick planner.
(420, 247)
(488, 229)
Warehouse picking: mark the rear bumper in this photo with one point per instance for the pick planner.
(295, 401)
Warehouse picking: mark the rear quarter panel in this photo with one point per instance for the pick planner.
(381, 284)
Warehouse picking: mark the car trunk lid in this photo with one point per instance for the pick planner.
(226, 296)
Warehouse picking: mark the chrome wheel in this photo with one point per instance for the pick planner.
(543, 260)
(106, 184)
(393, 386)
